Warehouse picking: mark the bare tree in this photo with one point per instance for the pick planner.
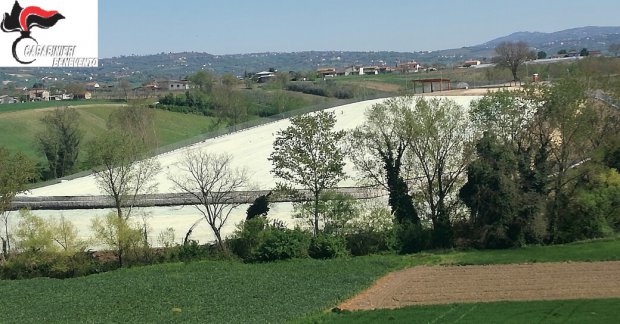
(122, 170)
(135, 121)
(124, 86)
(512, 55)
(212, 180)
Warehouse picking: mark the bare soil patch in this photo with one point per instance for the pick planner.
(471, 284)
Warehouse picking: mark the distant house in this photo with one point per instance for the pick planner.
(39, 95)
(369, 70)
(92, 86)
(327, 72)
(86, 95)
(408, 67)
(61, 96)
(263, 77)
(4, 100)
(174, 85)
(471, 63)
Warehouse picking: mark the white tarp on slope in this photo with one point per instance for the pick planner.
(249, 149)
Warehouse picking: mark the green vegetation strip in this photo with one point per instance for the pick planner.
(233, 292)
(50, 104)
(202, 292)
(566, 311)
(585, 251)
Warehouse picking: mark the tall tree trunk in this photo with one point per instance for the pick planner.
(316, 213)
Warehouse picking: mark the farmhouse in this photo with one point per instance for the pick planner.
(174, 85)
(408, 67)
(7, 100)
(86, 95)
(39, 95)
(92, 86)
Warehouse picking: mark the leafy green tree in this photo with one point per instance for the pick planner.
(516, 124)
(336, 212)
(203, 80)
(504, 113)
(492, 195)
(511, 55)
(16, 170)
(439, 145)
(118, 234)
(378, 147)
(34, 234)
(541, 55)
(65, 234)
(60, 140)
(310, 153)
(584, 52)
(594, 210)
(566, 121)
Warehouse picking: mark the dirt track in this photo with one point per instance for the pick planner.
(444, 285)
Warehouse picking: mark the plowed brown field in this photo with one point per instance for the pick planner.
(469, 284)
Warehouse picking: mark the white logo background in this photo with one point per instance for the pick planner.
(79, 28)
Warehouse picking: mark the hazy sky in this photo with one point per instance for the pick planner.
(246, 26)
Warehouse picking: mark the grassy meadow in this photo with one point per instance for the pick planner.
(18, 129)
(564, 311)
(293, 291)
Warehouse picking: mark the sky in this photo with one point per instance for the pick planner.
(141, 27)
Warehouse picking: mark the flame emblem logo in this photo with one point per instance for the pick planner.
(23, 20)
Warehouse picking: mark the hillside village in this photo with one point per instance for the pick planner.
(49, 90)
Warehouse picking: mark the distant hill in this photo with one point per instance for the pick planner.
(593, 38)
(178, 65)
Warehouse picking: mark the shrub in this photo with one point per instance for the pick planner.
(30, 264)
(282, 244)
(193, 251)
(247, 237)
(411, 238)
(325, 246)
(369, 242)
(594, 212)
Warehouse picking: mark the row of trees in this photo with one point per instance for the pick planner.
(507, 174)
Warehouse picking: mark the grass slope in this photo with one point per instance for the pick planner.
(47, 104)
(18, 129)
(586, 251)
(565, 311)
(233, 292)
(202, 292)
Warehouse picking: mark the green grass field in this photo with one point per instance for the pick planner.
(19, 128)
(565, 311)
(300, 290)
(48, 104)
